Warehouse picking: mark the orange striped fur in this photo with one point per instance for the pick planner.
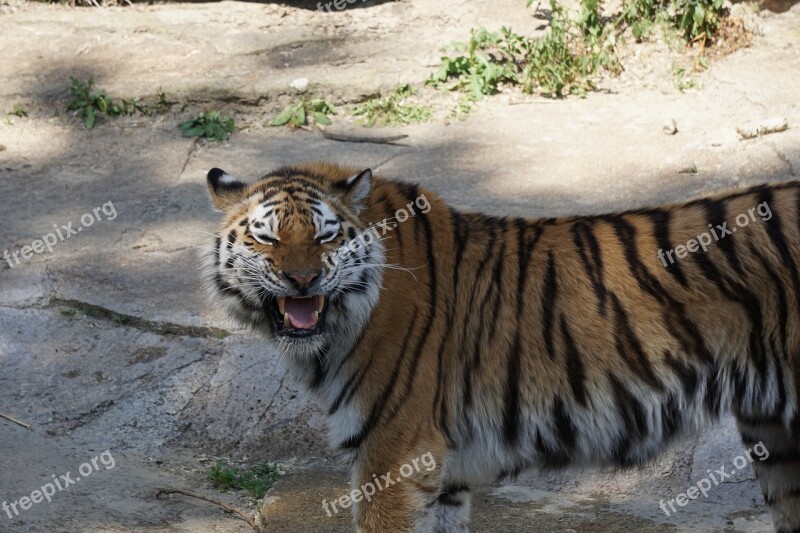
(501, 344)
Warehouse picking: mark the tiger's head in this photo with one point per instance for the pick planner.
(289, 258)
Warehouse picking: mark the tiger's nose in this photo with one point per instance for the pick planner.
(302, 280)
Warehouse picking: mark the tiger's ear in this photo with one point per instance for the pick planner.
(225, 190)
(358, 188)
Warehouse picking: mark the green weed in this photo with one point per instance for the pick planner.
(695, 19)
(211, 125)
(18, 111)
(88, 103)
(162, 104)
(298, 114)
(564, 61)
(392, 110)
(682, 79)
(255, 481)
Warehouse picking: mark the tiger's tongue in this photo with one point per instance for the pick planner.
(302, 312)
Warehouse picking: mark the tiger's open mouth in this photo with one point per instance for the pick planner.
(299, 317)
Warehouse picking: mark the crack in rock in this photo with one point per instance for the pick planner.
(159, 328)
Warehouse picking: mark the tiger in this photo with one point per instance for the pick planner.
(497, 344)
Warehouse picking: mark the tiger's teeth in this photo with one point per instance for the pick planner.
(316, 317)
(286, 322)
(281, 304)
(320, 303)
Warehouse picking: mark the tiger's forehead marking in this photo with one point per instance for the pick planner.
(280, 208)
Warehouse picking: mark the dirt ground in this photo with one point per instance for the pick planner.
(108, 342)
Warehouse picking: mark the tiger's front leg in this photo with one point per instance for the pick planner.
(397, 496)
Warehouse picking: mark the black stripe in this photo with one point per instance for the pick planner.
(778, 355)
(512, 415)
(783, 308)
(549, 293)
(737, 293)
(231, 241)
(774, 229)
(433, 288)
(319, 372)
(673, 311)
(634, 421)
(475, 360)
(717, 214)
(626, 234)
(511, 409)
(449, 494)
(378, 407)
(349, 388)
(713, 399)
(583, 237)
(448, 500)
(525, 249)
(440, 399)
(461, 234)
(265, 198)
(671, 418)
(350, 353)
(565, 428)
(630, 348)
(686, 373)
(575, 371)
(497, 276)
(399, 229)
(661, 230)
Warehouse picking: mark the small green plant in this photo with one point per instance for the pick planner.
(211, 125)
(392, 110)
(564, 61)
(87, 103)
(479, 72)
(298, 114)
(255, 481)
(162, 104)
(697, 19)
(681, 78)
(18, 111)
(462, 109)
